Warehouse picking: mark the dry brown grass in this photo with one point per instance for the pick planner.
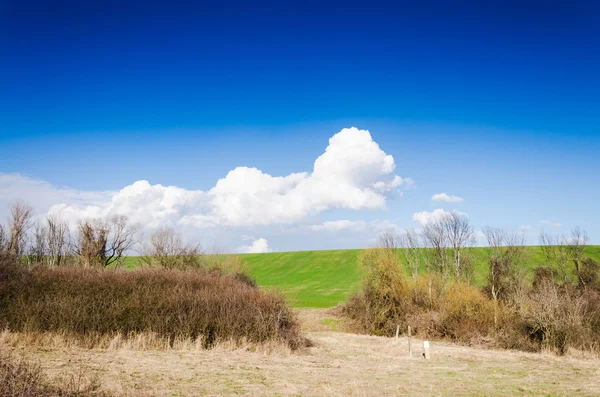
(339, 365)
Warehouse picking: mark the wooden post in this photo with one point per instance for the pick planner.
(397, 331)
(426, 348)
(409, 343)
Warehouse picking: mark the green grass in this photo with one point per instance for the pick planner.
(326, 278)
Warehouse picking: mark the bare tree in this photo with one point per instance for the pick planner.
(104, 243)
(576, 247)
(3, 239)
(389, 239)
(556, 253)
(166, 249)
(57, 240)
(121, 238)
(413, 252)
(436, 235)
(460, 237)
(19, 223)
(37, 250)
(506, 259)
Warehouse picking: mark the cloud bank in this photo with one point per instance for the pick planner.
(353, 173)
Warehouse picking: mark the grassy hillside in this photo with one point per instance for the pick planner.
(326, 278)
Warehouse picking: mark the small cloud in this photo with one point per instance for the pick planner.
(445, 198)
(335, 226)
(550, 223)
(525, 227)
(258, 246)
(426, 217)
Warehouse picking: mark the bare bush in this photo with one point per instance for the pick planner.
(461, 238)
(95, 302)
(413, 252)
(167, 250)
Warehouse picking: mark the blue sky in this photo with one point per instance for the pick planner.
(496, 103)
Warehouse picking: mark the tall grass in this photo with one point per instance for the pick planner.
(209, 307)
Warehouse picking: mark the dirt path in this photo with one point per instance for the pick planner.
(339, 364)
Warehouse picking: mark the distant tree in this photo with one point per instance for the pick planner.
(506, 258)
(104, 242)
(412, 247)
(576, 247)
(556, 254)
(436, 234)
(19, 223)
(166, 249)
(461, 237)
(57, 235)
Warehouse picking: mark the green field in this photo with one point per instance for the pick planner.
(326, 278)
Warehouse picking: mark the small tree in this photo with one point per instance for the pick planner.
(556, 253)
(166, 249)
(506, 259)
(437, 239)
(576, 246)
(19, 223)
(413, 252)
(460, 237)
(57, 240)
(104, 243)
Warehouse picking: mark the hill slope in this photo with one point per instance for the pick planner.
(326, 278)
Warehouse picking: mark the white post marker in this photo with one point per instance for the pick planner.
(397, 331)
(409, 343)
(426, 348)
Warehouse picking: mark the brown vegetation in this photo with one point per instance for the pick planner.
(549, 313)
(87, 303)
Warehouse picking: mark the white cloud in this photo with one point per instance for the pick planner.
(426, 217)
(335, 226)
(352, 174)
(443, 197)
(258, 246)
(550, 223)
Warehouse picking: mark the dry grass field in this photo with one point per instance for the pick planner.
(339, 364)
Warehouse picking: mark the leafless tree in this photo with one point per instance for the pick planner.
(576, 247)
(3, 239)
(19, 223)
(506, 260)
(121, 238)
(389, 239)
(166, 249)
(413, 252)
(436, 235)
(37, 249)
(460, 237)
(57, 240)
(104, 243)
(556, 253)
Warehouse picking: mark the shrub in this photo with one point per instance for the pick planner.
(173, 304)
(385, 297)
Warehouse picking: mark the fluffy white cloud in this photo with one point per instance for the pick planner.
(550, 223)
(336, 226)
(258, 246)
(426, 217)
(352, 174)
(443, 197)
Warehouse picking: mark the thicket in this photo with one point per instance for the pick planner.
(553, 311)
(173, 304)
